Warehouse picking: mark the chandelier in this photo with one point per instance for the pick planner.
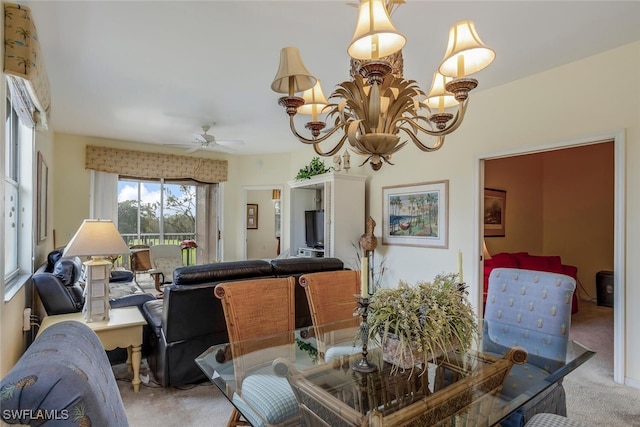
(373, 108)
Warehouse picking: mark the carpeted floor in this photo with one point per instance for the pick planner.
(592, 397)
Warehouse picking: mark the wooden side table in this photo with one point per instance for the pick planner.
(123, 329)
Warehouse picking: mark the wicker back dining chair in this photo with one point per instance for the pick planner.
(332, 299)
(530, 309)
(260, 318)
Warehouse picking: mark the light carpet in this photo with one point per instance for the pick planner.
(593, 398)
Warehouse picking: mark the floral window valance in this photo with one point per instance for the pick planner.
(23, 61)
(142, 164)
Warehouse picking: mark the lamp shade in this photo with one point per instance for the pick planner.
(466, 54)
(314, 101)
(438, 97)
(96, 238)
(375, 35)
(275, 194)
(292, 75)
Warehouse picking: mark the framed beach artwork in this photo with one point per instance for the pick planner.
(416, 215)
(495, 209)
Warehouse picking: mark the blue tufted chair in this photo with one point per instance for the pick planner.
(531, 309)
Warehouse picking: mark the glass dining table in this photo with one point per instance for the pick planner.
(450, 389)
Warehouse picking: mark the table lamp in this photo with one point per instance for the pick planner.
(98, 239)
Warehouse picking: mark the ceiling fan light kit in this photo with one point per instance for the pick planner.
(377, 103)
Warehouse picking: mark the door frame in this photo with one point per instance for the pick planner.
(619, 243)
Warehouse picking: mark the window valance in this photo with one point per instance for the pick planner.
(155, 165)
(23, 61)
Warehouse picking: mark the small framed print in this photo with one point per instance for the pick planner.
(495, 209)
(252, 216)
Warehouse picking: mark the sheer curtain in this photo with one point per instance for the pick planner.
(103, 196)
(207, 223)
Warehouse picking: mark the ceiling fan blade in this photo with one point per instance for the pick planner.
(218, 147)
(193, 149)
(230, 142)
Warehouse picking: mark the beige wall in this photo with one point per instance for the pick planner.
(568, 103)
(261, 242)
(522, 179)
(578, 210)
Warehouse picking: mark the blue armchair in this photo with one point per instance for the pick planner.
(531, 309)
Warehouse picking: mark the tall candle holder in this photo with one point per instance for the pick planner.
(363, 365)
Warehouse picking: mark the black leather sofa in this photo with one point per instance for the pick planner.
(57, 284)
(189, 319)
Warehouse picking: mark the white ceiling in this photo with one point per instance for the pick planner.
(155, 71)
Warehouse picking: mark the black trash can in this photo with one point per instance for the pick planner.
(604, 288)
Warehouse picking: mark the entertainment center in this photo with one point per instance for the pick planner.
(327, 215)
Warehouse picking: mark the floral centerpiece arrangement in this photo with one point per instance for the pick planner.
(416, 323)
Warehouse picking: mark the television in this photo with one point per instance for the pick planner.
(314, 229)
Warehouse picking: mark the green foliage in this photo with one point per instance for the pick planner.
(178, 213)
(434, 315)
(315, 167)
(310, 349)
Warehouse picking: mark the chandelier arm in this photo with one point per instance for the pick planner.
(304, 140)
(457, 121)
(420, 145)
(334, 150)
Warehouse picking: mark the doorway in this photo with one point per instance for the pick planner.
(262, 229)
(617, 230)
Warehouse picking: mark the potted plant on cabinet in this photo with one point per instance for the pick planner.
(415, 323)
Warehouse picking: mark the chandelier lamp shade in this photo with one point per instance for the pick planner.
(377, 107)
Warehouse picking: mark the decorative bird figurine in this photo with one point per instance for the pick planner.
(368, 241)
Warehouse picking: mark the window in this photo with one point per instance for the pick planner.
(153, 212)
(11, 193)
(18, 188)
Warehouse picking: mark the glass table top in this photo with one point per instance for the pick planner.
(464, 388)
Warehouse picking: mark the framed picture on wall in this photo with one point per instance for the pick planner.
(495, 209)
(252, 216)
(416, 215)
(42, 182)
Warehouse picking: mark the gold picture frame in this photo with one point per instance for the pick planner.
(252, 216)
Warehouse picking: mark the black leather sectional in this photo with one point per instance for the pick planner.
(189, 319)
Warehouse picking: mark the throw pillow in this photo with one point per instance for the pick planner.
(63, 270)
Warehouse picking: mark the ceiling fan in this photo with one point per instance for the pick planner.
(206, 141)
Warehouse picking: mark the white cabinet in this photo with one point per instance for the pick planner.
(341, 196)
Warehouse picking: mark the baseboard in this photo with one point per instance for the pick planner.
(632, 383)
